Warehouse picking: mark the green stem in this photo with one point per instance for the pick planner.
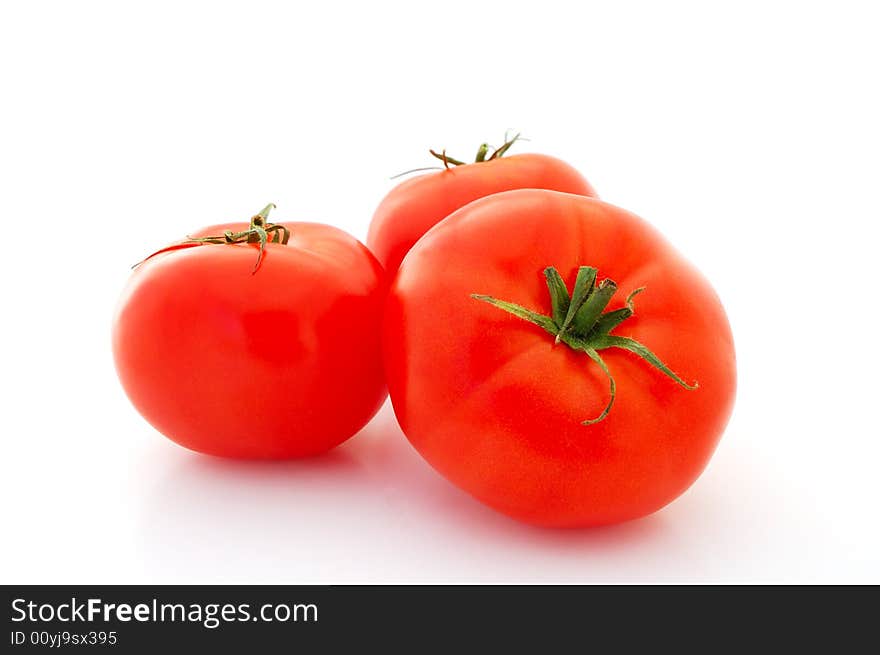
(559, 299)
(633, 346)
(581, 323)
(259, 231)
(261, 219)
(584, 284)
(504, 147)
(610, 320)
(592, 354)
(481, 157)
(416, 170)
(446, 159)
(593, 307)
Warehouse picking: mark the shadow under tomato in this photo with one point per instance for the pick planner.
(369, 511)
(392, 462)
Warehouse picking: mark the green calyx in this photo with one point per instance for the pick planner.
(483, 155)
(580, 322)
(260, 230)
(482, 152)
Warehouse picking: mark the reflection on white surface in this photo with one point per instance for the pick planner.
(121, 504)
(373, 511)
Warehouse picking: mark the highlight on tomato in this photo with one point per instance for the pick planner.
(554, 356)
(414, 206)
(254, 340)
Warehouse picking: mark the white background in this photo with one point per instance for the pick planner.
(747, 132)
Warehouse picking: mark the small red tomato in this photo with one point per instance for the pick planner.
(517, 370)
(239, 350)
(413, 207)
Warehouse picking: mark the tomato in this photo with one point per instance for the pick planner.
(416, 205)
(505, 342)
(278, 362)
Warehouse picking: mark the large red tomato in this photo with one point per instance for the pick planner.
(508, 392)
(282, 361)
(413, 207)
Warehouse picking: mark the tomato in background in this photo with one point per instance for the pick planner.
(278, 362)
(503, 334)
(413, 207)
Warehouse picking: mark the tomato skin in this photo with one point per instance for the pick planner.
(413, 207)
(494, 406)
(282, 363)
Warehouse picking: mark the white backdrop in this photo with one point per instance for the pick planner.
(747, 133)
